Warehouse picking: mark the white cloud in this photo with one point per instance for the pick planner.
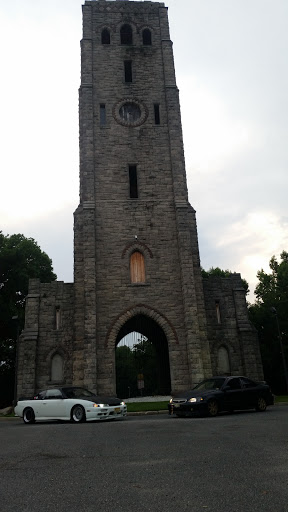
(255, 239)
(211, 134)
(39, 130)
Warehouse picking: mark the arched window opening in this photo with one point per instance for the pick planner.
(105, 36)
(223, 362)
(57, 365)
(126, 34)
(137, 267)
(147, 37)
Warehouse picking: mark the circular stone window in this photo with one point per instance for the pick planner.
(130, 112)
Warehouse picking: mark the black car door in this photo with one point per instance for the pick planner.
(250, 392)
(233, 394)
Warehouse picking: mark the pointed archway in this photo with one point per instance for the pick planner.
(142, 358)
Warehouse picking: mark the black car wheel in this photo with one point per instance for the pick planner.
(78, 414)
(28, 415)
(212, 408)
(261, 404)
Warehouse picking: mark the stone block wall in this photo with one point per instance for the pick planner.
(43, 336)
(230, 327)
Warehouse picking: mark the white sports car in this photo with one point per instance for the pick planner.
(71, 404)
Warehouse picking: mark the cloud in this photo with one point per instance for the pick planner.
(255, 239)
(212, 135)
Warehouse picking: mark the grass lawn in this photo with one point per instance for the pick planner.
(281, 398)
(147, 406)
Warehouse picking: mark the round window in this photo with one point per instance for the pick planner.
(130, 112)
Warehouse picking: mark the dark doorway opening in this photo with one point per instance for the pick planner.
(142, 359)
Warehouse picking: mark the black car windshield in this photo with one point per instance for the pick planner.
(207, 384)
(77, 392)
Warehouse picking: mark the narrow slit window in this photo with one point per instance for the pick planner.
(128, 70)
(137, 267)
(218, 314)
(57, 318)
(102, 114)
(133, 182)
(126, 34)
(147, 37)
(157, 113)
(105, 36)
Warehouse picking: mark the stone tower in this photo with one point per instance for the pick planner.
(136, 257)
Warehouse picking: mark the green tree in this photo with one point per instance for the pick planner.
(20, 259)
(141, 358)
(126, 372)
(146, 364)
(270, 311)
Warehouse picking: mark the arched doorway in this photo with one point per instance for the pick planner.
(142, 359)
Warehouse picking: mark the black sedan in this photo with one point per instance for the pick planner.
(217, 394)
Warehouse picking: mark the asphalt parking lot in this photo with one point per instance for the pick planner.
(234, 462)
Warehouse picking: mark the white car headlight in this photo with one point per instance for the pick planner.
(98, 405)
(198, 399)
(122, 403)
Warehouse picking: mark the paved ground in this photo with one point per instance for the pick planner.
(235, 463)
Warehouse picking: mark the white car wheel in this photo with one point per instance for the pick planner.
(78, 414)
(28, 415)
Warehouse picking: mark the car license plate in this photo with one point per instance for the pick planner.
(117, 409)
(176, 405)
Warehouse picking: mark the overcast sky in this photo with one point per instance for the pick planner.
(231, 68)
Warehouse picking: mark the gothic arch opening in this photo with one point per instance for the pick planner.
(126, 34)
(57, 368)
(105, 36)
(223, 361)
(147, 37)
(142, 359)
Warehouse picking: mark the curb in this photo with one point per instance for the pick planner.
(7, 418)
(145, 413)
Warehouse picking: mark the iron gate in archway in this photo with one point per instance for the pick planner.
(142, 359)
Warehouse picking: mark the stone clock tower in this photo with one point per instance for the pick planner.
(136, 257)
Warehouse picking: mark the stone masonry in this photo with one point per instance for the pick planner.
(131, 120)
